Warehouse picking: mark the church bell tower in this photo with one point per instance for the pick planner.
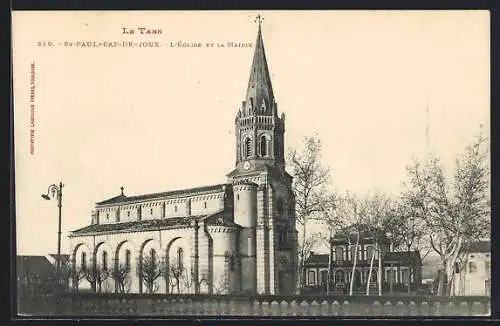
(259, 129)
(264, 203)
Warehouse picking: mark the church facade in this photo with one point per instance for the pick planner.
(235, 237)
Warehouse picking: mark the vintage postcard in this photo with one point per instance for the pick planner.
(245, 163)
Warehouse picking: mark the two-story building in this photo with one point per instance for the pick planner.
(398, 268)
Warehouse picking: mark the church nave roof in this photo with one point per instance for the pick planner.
(149, 225)
(173, 193)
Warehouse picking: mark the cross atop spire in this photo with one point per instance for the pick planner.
(259, 19)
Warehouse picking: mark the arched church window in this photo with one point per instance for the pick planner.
(248, 148)
(84, 261)
(105, 260)
(152, 254)
(263, 146)
(127, 259)
(180, 258)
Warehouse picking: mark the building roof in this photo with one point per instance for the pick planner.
(365, 231)
(260, 90)
(317, 259)
(34, 265)
(173, 193)
(479, 246)
(402, 256)
(148, 225)
(259, 167)
(64, 257)
(220, 219)
(244, 182)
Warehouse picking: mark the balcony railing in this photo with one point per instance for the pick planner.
(262, 120)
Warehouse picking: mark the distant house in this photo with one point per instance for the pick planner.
(475, 276)
(37, 274)
(398, 268)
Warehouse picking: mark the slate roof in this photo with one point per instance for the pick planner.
(123, 198)
(64, 257)
(34, 265)
(245, 182)
(403, 256)
(147, 225)
(220, 219)
(260, 88)
(317, 259)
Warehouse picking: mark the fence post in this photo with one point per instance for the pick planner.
(425, 309)
(315, 308)
(287, 305)
(377, 309)
(283, 308)
(401, 308)
(388, 309)
(335, 308)
(478, 309)
(436, 308)
(294, 308)
(412, 309)
(255, 307)
(274, 308)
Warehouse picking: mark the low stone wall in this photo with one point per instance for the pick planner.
(265, 306)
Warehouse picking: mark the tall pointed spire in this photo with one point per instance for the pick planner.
(259, 130)
(259, 98)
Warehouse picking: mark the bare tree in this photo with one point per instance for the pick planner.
(96, 275)
(354, 211)
(455, 211)
(78, 274)
(175, 274)
(188, 279)
(220, 284)
(310, 179)
(378, 211)
(62, 279)
(408, 232)
(121, 274)
(332, 219)
(151, 269)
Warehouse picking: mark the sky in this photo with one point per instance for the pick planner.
(157, 119)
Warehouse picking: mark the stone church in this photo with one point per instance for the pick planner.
(234, 237)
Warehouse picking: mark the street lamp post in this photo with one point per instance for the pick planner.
(56, 191)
